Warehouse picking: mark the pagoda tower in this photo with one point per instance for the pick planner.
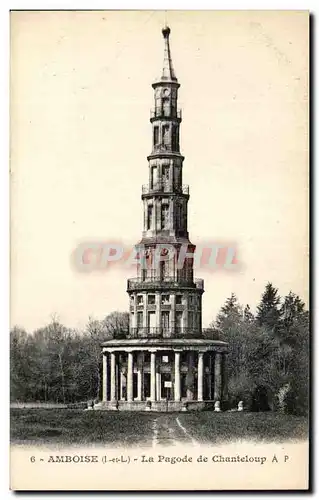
(171, 298)
(164, 358)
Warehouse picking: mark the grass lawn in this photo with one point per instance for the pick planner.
(209, 427)
(79, 427)
(61, 426)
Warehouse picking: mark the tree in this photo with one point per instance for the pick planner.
(53, 361)
(268, 354)
(294, 336)
(229, 313)
(260, 361)
(229, 326)
(268, 310)
(248, 315)
(96, 332)
(19, 365)
(116, 324)
(59, 364)
(293, 313)
(213, 333)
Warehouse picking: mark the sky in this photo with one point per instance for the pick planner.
(80, 101)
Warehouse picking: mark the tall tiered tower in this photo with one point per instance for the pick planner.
(165, 300)
(164, 363)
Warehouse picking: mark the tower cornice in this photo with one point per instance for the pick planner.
(167, 155)
(165, 194)
(154, 117)
(166, 83)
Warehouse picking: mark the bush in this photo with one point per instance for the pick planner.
(296, 403)
(239, 389)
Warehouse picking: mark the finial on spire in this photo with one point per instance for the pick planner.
(166, 31)
(168, 70)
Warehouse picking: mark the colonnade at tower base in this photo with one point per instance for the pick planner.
(163, 374)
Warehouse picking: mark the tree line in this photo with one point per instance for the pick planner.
(267, 366)
(60, 364)
(268, 360)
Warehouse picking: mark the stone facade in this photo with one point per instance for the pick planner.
(165, 363)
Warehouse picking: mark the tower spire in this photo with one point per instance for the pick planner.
(168, 73)
(164, 289)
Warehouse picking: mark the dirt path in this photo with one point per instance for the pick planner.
(169, 431)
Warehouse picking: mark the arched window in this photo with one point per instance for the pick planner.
(175, 138)
(165, 177)
(149, 217)
(166, 138)
(153, 177)
(155, 135)
(166, 109)
(177, 177)
(164, 216)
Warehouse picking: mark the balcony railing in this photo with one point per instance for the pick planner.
(163, 282)
(163, 332)
(166, 113)
(160, 187)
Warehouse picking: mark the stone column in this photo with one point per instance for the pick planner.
(113, 376)
(158, 310)
(104, 377)
(145, 214)
(173, 312)
(177, 383)
(218, 377)
(153, 376)
(158, 382)
(185, 314)
(140, 376)
(200, 313)
(122, 384)
(210, 378)
(157, 208)
(200, 376)
(171, 179)
(134, 325)
(130, 377)
(190, 379)
(171, 211)
(224, 378)
(145, 318)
